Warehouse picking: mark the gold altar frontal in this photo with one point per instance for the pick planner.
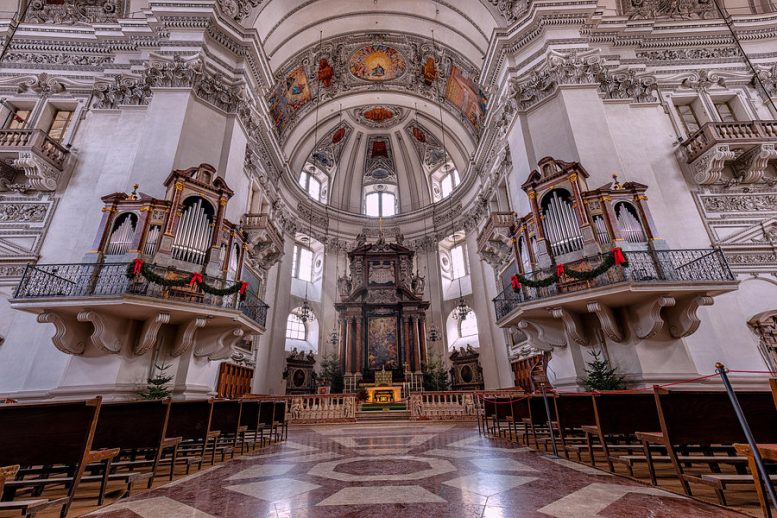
(383, 394)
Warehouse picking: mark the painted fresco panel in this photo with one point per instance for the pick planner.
(288, 96)
(465, 94)
(382, 342)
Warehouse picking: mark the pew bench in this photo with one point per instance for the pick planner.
(26, 507)
(720, 481)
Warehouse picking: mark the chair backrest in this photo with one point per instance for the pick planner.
(50, 433)
(266, 412)
(537, 412)
(519, 408)
(249, 415)
(708, 417)
(574, 411)
(280, 411)
(626, 413)
(190, 419)
(773, 384)
(133, 424)
(226, 416)
(7, 473)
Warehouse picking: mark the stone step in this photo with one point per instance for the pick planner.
(385, 415)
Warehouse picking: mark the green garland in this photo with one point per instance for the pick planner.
(607, 263)
(147, 272)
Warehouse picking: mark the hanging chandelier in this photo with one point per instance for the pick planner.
(434, 335)
(304, 313)
(462, 310)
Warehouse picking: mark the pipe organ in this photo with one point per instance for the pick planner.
(187, 229)
(570, 221)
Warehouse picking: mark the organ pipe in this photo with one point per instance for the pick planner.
(560, 224)
(191, 239)
(121, 238)
(629, 225)
(151, 240)
(601, 230)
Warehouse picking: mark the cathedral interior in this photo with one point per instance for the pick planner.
(460, 257)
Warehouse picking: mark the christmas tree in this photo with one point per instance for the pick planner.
(600, 376)
(157, 386)
(435, 375)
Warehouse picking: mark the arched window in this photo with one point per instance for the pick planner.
(295, 328)
(459, 261)
(302, 263)
(311, 185)
(449, 182)
(380, 204)
(468, 326)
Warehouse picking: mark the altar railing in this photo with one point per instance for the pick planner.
(330, 408)
(452, 405)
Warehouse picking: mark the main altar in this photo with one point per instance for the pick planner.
(382, 315)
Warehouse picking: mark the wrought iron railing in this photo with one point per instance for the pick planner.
(110, 280)
(703, 265)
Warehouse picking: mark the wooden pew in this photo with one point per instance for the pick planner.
(226, 421)
(705, 419)
(280, 420)
(267, 419)
(191, 422)
(517, 410)
(50, 434)
(249, 417)
(573, 411)
(773, 384)
(139, 428)
(537, 421)
(618, 417)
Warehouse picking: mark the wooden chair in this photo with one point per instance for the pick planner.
(706, 420)
(573, 411)
(190, 421)
(139, 428)
(226, 421)
(51, 434)
(618, 417)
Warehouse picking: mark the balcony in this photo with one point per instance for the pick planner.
(264, 238)
(33, 160)
(658, 293)
(495, 241)
(747, 147)
(96, 309)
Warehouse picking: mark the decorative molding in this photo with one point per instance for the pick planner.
(647, 316)
(607, 320)
(543, 334)
(740, 202)
(71, 12)
(573, 325)
(184, 339)
(70, 335)
(238, 9)
(177, 73)
(149, 333)
(751, 166)
(682, 318)
(42, 84)
(661, 9)
(110, 333)
(123, 91)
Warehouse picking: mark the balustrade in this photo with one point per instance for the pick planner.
(317, 408)
(36, 140)
(729, 133)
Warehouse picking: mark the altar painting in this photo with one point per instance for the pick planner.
(382, 342)
(466, 95)
(288, 96)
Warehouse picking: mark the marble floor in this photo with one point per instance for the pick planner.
(403, 469)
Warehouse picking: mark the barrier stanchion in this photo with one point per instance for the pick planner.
(721, 370)
(550, 421)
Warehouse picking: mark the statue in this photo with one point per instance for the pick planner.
(361, 240)
(469, 404)
(296, 409)
(400, 239)
(347, 408)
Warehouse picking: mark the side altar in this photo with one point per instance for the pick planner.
(382, 315)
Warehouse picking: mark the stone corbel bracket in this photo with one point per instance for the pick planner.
(751, 166)
(544, 334)
(217, 343)
(683, 319)
(187, 331)
(70, 335)
(607, 320)
(149, 333)
(708, 168)
(110, 332)
(40, 175)
(573, 326)
(647, 316)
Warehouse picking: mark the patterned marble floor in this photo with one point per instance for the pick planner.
(390, 469)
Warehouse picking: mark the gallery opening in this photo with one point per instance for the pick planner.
(456, 258)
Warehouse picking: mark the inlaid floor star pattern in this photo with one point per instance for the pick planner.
(407, 469)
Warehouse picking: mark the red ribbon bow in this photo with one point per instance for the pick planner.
(196, 277)
(617, 255)
(243, 286)
(560, 269)
(516, 282)
(137, 266)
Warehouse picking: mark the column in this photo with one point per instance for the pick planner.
(406, 341)
(349, 346)
(358, 345)
(341, 351)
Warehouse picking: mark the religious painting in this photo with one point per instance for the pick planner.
(288, 96)
(377, 63)
(465, 94)
(325, 73)
(379, 148)
(429, 71)
(378, 114)
(382, 342)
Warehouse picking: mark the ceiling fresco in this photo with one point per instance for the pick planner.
(377, 62)
(379, 116)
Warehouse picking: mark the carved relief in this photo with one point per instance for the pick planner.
(123, 91)
(765, 327)
(69, 12)
(708, 168)
(673, 9)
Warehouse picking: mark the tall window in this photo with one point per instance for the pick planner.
(458, 261)
(468, 326)
(725, 111)
(302, 263)
(311, 185)
(449, 182)
(688, 118)
(17, 119)
(380, 204)
(59, 124)
(295, 328)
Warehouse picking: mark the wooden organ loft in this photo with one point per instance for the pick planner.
(161, 271)
(655, 296)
